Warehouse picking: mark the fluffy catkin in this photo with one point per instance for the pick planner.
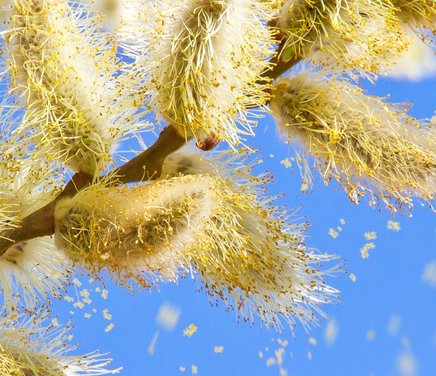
(64, 69)
(32, 272)
(212, 222)
(135, 232)
(361, 141)
(417, 14)
(249, 254)
(204, 59)
(28, 348)
(343, 35)
(27, 183)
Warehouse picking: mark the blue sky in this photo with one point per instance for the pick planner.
(385, 322)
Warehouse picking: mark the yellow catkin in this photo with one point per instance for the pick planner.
(28, 347)
(366, 144)
(136, 232)
(34, 270)
(261, 264)
(203, 74)
(418, 14)
(63, 69)
(343, 35)
(244, 251)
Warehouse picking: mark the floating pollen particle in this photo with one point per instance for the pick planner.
(393, 226)
(429, 274)
(168, 316)
(394, 325)
(367, 145)
(64, 68)
(28, 348)
(370, 235)
(190, 330)
(331, 332)
(206, 57)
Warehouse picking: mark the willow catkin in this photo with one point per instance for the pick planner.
(344, 35)
(32, 271)
(204, 59)
(64, 69)
(244, 252)
(135, 232)
(260, 265)
(418, 14)
(361, 141)
(28, 347)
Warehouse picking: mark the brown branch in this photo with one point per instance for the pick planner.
(148, 164)
(145, 166)
(278, 65)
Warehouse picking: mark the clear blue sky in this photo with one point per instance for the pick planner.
(387, 316)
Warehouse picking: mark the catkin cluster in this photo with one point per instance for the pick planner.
(71, 89)
(136, 232)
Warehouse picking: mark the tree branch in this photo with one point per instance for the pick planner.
(278, 65)
(145, 166)
(148, 164)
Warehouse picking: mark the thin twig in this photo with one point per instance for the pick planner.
(278, 65)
